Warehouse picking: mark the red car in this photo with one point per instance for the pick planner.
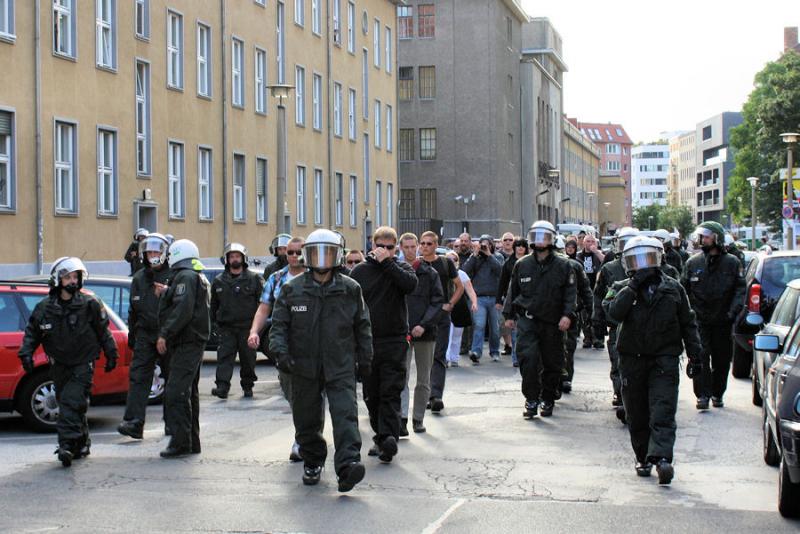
(33, 395)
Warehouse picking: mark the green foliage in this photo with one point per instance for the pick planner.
(642, 217)
(771, 109)
(667, 217)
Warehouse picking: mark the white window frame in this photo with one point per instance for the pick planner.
(365, 160)
(106, 34)
(351, 25)
(262, 199)
(300, 95)
(237, 72)
(239, 187)
(337, 22)
(365, 83)
(389, 129)
(7, 160)
(7, 30)
(204, 73)
(300, 13)
(337, 109)
(65, 175)
(378, 200)
(318, 196)
(141, 19)
(352, 98)
(338, 199)
(353, 200)
(389, 203)
(262, 3)
(176, 185)
(174, 50)
(261, 81)
(378, 127)
(65, 28)
(205, 183)
(107, 172)
(376, 44)
(142, 112)
(315, 17)
(389, 46)
(300, 190)
(316, 101)
(280, 56)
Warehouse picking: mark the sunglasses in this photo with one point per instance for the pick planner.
(427, 243)
(387, 247)
(353, 262)
(507, 240)
(294, 252)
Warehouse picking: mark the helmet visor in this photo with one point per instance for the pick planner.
(641, 258)
(622, 241)
(153, 244)
(66, 266)
(322, 255)
(539, 237)
(701, 232)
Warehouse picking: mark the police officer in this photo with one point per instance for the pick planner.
(278, 249)
(541, 299)
(677, 245)
(73, 328)
(234, 300)
(671, 255)
(183, 328)
(146, 287)
(732, 249)
(655, 324)
(132, 254)
(321, 333)
(714, 281)
(585, 301)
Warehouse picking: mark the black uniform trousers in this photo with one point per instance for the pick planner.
(383, 388)
(540, 351)
(232, 341)
(145, 357)
(439, 368)
(73, 384)
(570, 344)
(650, 397)
(585, 319)
(613, 357)
(716, 358)
(308, 414)
(182, 398)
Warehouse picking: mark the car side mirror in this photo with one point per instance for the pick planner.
(754, 319)
(767, 343)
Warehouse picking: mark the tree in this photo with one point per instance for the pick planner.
(677, 217)
(771, 109)
(642, 216)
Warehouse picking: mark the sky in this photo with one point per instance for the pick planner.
(656, 67)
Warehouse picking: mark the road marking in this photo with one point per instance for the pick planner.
(436, 525)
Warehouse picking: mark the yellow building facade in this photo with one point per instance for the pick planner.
(580, 175)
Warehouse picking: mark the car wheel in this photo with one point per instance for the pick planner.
(158, 386)
(756, 387)
(771, 454)
(788, 493)
(742, 361)
(37, 403)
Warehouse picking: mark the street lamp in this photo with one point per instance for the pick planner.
(469, 199)
(790, 138)
(753, 184)
(590, 194)
(281, 91)
(606, 205)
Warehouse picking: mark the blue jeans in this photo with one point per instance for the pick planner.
(486, 311)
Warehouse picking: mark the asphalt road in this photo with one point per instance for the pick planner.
(480, 468)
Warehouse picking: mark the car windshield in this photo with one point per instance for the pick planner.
(778, 272)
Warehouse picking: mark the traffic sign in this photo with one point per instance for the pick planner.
(786, 212)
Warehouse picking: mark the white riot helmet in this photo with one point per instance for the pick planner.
(662, 235)
(676, 238)
(234, 247)
(154, 242)
(183, 250)
(280, 240)
(729, 240)
(64, 266)
(560, 243)
(323, 250)
(140, 233)
(642, 252)
(542, 234)
(625, 234)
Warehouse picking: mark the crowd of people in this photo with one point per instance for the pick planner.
(330, 317)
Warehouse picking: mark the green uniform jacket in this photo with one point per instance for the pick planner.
(658, 324)
(234, 299)
(716, 286)
(143, 303)
(673, 258)
(72, 334)
(610, 273)
(324, 328)
(183, 308)
(545, 291)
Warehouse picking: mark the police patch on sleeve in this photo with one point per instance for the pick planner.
(611, 294)
(180, 289)
(571, 278)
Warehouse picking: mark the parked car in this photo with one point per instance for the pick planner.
(781, 416)
(765, 278)
(33, 395)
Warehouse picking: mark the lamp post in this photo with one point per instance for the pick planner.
(281, 91)
(649, 222)
(606, 205)
(753, 184)
(590, 194)
(790, 138)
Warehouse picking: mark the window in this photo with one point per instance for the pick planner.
(427, 20)
(106, 30)
(174, 50)
(261, 81)
(204, 191)
(389, 129)
(389, 204)
(280, 58)
(377, 124)
(299, 12)
(106, 172)
(262, 177)
(317, 196)
(338, 199)
(407, 203)
(315, 19)
(300, 96)
(301, 195)
(261, 2)
(337, 22)
(612, 165)
(237, 74)
(352, 200)
(351, 27)
(176, 187)
(142, 118)
(142, 15)
(64, 20)
(405, 77)
(509, 30)
(203, 60)
(316, 103)
(376, 44)
(427, 143)
(351, 114)
(66, 172)
(7, 170)
(706, 133)
(427, 203)
(405, 22)
(427, 82)
(406, 144)
(337, 109)
(366, 167)
(612, 148)
(239, 187)
(365, 83)
(378, 200)
(389, 41)
(7, 18)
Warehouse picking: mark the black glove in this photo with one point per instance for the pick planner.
(364, 371)
(27, 364)
(111, 364)
(694, 367)
(285, 363)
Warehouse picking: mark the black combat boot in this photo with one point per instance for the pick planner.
(404, 427)
(547, 408)
(418, 427)
(388, 449)
(665, 471)
(133, 429)
(531, 409)
(222, 393)
(644, 469)
(65, 455)
(311, 474)
(350, 475)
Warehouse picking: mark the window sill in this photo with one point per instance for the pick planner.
(204, 97)
(338, 136)
(8, 211)
(261, 113)
(66, 213)
(240, 221)
(108, 216)
(106, 68)
(300, 25)
(205, 221)
(319, 130)
(300, 124)
(142, 176)
(175, 88)
(237, 106)
(177, 218)
(143, 38)
(65, 57)
(262, 223)
(8, 38)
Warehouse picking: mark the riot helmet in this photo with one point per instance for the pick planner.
(642, 252)
(280, 240)
(183, 253)
(625, 234)
(140, 233)
(154, 242)
(234, 247)
(64, 266)
(323, 250)
(542, 235)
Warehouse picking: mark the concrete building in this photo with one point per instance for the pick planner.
(157, 113)
(580, 177)
(673, 178)
(713, 165)
(686, 163)
(649, 170)
(790, 41)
